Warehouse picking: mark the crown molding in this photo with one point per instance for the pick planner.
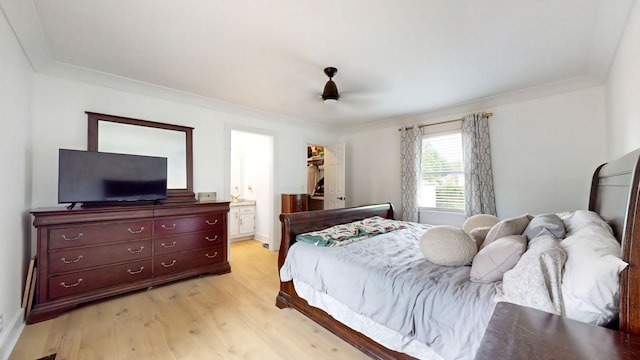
(96, 78)
(483, 104)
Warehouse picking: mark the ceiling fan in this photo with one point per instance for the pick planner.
(330, 93)
(354, 99)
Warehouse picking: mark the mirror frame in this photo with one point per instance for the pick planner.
(185, 194)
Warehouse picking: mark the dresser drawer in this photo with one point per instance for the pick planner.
(83, 281)
(172, 226)
(185, 242)
(177, 262)
(60, 238)
(85, 257)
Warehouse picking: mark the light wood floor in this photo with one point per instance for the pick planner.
(231, 316)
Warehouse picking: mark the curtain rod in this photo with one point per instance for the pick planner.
(487, 115)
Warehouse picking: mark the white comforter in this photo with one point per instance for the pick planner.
(387, 279)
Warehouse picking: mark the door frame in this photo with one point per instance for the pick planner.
(272, 233)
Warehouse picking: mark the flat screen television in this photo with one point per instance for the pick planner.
(92, 178)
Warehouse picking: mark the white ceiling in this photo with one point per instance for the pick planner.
(393, 57)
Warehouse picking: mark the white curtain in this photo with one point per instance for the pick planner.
(478, 177)
(411, 151)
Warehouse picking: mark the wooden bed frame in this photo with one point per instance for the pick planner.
(614, 195)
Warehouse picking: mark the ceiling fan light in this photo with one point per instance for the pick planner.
(330, 92)
(330, 101)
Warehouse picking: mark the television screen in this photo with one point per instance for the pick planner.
(90, 177)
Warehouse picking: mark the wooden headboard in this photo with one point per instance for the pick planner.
(614, 195)
(301, 222)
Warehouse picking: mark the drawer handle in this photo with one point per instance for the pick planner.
(72, 285)
(136, 231)
(169, 265)
(211, 256)
(169, 227)
(168, 246)
(135, 272)
(136, 251)
(64, 237)
(64, 260)
(211, 223)
(210, 239)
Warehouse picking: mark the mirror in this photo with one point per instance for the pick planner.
(108, 133)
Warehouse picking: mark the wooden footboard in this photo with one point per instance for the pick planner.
(302, 222)
(354, 338)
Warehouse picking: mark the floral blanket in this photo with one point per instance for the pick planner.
(343, 234)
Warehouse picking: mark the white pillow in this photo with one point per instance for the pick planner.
(511, 226)
(574, 221)
(479, 234)
(540, 224)
(448, 246)
(479, 220)
(591, 280)
(495, 259)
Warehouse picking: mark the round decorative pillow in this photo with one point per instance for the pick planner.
(479, 220)
(448, 246)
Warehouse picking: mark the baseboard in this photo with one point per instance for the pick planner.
(262, 238)
(242, 238)
(11, 334)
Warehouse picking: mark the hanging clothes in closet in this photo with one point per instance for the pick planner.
(313, 176)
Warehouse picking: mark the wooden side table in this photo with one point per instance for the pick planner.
(517, 332)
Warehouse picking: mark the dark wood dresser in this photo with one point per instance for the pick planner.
(292, 203)
(87, 254)
(517, 332)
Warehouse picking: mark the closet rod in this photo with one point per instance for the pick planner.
(487, 115)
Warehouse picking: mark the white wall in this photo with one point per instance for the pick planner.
(372, 169)
(543, 150)
(623, 91)
(60, 122)
(15, 190)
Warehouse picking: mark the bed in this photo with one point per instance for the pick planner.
(613, 195)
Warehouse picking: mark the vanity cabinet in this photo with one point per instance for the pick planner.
(87, 254)
(242, 220)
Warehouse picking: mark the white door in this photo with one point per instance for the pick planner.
(334, 194)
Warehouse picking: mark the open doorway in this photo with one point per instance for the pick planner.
(325, 176)
(251, 187)
(315, 176)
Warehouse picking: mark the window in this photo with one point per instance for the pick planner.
(442, 180)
